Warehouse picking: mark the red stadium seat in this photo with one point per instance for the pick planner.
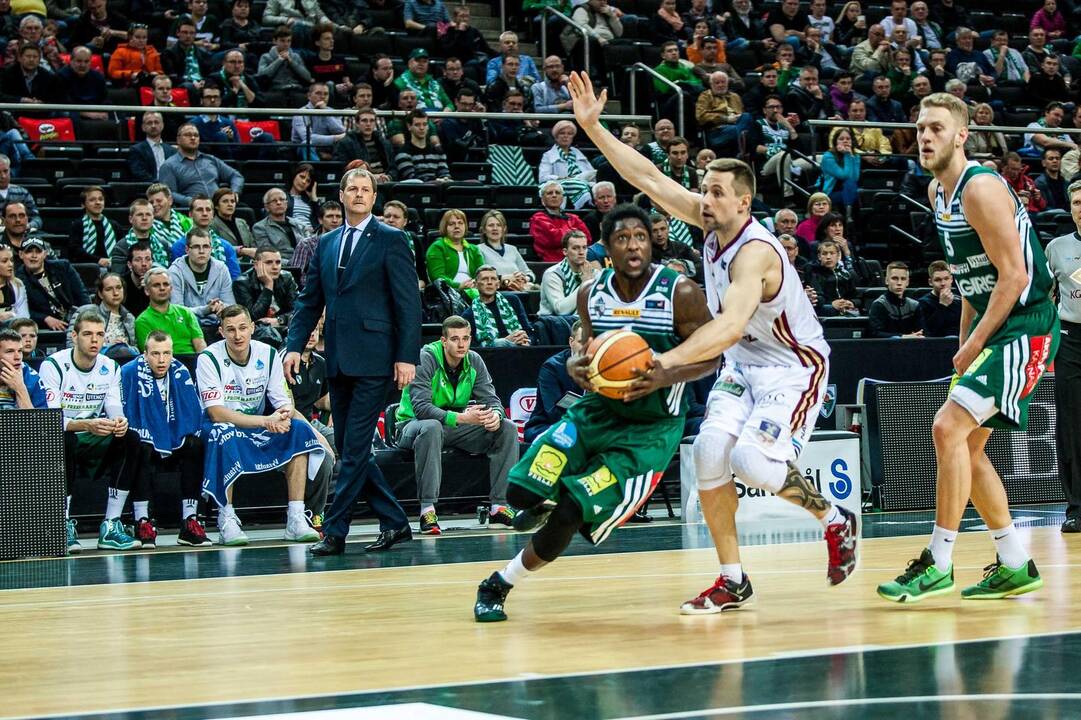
(180, 96)
(48, 128)
(96, 63)
(253, 128)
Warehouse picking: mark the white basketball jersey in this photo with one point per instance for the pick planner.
(783, 330)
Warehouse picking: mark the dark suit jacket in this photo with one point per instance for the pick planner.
(141, 160)
(373, 315)
(45, 86)
(66, 284)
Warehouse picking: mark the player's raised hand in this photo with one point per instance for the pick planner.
(587, 106)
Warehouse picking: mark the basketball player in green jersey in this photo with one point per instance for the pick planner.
(592, 470)
(1009, 333)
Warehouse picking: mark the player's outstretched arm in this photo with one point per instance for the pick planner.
(691, 313)
(990, 209)
(750, 271)
(627, 161)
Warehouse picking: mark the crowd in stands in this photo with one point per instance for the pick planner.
(185, 228)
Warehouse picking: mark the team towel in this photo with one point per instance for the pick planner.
(163, 422)
(232, 452)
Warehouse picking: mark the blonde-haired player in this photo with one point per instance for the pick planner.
(1009, 333)
(761, 410)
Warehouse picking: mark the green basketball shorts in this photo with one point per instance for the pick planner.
(607, 463)
(998, 386)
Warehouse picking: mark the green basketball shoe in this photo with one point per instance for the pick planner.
(1000, 581)
(112, 535)
(920, 581)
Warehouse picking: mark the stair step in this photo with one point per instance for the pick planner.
(479, 10)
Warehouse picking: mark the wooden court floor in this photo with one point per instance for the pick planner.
(219, 627)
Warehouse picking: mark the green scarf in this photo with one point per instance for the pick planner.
(487, 331)
(572, 165)
(678, 231)
(90, 236)
(191, 66)
(159, 250)
(571, 280)
(684, 179)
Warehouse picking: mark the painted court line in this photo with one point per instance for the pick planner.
(850, 702)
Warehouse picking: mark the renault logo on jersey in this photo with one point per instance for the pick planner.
(1076, 276)
(627, 312)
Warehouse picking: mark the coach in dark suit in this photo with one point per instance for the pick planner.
(364, 275)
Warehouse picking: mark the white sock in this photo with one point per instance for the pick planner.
(833, 517)
(188, 507)
(516, 571)
(115, 505)
(141, 508)
(942, 542)
(67, 507)
(427, 508)
(1008, 545)
(733, 571)
(295, 509)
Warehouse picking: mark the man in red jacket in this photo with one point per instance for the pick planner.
(549, 225)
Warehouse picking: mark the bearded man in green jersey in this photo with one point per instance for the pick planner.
(1009, 334)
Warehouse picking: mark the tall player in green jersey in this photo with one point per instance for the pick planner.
(592, 470)
(1009, 333)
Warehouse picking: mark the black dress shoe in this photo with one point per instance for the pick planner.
(389, 538)
(329, 545)
(1072, 525)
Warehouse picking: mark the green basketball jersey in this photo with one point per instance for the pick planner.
(975, 275)
(651, 315)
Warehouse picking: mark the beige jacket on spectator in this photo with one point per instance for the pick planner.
(713, 110)
(864, 58)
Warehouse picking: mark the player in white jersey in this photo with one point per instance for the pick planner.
(86, 386)
(239, 380)
(762, 408)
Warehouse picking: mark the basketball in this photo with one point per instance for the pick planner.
(616, 355)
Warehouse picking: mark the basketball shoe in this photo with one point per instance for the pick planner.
(491, 595)
(503, 516)
(74, 546)
(920, 580)
(1000, 581)
(192, 533)
(298, 529)
(429, 524)
(229, 529)
(112, 535)
(723, 594)
(842, 543)
(146, 533)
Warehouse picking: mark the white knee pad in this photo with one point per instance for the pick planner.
(711, 461)
(755, 469)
